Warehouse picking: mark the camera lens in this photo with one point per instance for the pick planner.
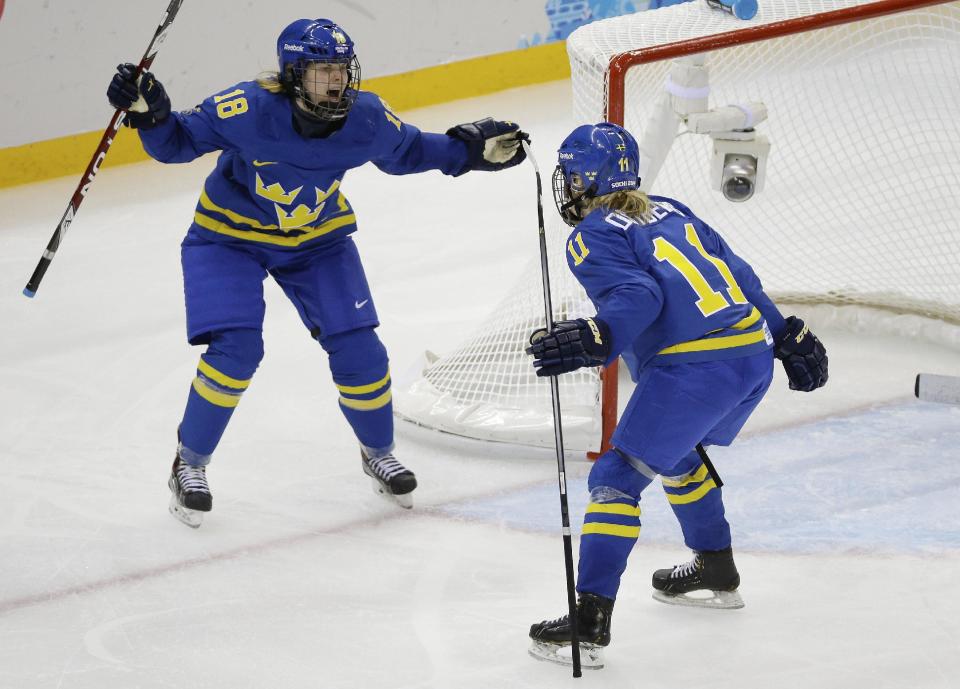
(739, 177)
(738, 188)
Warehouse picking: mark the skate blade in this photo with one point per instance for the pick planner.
(185, 515)
(405, 501)
(591, 655)
(720, 600)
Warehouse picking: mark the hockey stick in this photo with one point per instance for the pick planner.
(705, 458)
(557, 428)
(933, 388)
(94, 166)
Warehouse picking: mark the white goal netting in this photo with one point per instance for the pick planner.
(859, 205)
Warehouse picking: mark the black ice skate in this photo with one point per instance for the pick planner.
(390, 478)
(190, 493)
(709, 580)
(551, 638)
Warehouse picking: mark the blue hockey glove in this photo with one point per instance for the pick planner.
(491, 144)
(804, 357)
(146, 102)
(569, 345)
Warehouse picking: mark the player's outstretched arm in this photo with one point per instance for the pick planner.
(144, 99)
(803, 355)
(491, 144)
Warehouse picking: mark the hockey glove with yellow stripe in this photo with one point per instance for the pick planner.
(144, 98)
(569, 345)
(804, 357)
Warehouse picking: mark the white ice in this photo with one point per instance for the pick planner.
(843, 502)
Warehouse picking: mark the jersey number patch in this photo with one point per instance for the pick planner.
(584, 251)
(230, 104)
(709, 301)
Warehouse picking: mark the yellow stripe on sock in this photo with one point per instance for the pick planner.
(614, 508)
(368, 405)
(213, 397)
(693, 495)
(364, 389)
(611, 530)
(680, 482)
(215, 375)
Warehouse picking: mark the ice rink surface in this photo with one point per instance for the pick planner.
(843, 502)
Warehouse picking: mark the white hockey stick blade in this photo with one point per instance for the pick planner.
(591, 655)
(719, 600)
(191, 518)
(934, 388)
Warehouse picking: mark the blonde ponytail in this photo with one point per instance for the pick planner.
(270, 81)
(633, 203)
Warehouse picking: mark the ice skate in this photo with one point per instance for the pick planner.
(190, 495)
(709, 580)
(550, 639)
(389, 478)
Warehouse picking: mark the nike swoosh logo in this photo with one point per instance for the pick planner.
(261, 163)
(359, 304)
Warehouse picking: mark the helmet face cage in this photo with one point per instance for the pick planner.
(568, 195)
(594, 160)
(325, 89)
(319, 68)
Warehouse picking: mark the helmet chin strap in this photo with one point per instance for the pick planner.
(589, 193)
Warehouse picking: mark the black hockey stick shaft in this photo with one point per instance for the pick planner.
(98, 155)
(557, 430)
(705, 458)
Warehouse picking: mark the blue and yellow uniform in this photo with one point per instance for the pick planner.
(274, 206)
(693, 323)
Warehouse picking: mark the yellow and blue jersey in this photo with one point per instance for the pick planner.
(670, 288)
(275, 187)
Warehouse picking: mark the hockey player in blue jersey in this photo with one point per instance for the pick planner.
(273, 206)
(699, 336)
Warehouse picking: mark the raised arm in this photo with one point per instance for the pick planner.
(167, 137)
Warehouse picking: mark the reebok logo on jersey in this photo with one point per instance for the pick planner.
(360, 304)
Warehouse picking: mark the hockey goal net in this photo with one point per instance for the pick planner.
(858, 206)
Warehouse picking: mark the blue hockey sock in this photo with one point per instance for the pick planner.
(697, 502)
(611, 525)
(358, 361)
(223, 374)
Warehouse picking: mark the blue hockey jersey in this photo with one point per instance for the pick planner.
(670, 288)
(274, 186)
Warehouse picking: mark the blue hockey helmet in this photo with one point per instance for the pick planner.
(303, 50)
(594, 160)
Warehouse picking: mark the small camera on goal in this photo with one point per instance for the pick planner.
(739, 164)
